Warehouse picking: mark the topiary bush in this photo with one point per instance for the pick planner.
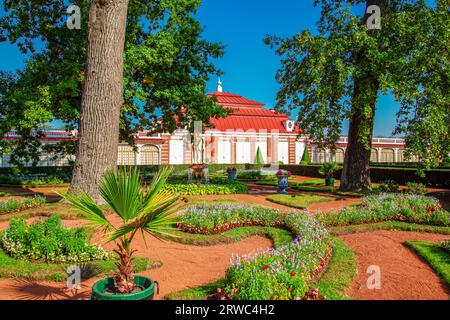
(48, 241)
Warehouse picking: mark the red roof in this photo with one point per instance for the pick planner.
(248, 115)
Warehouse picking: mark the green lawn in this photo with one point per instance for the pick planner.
(437, 258)
(300, 201)
(339, 274)
(388, 225)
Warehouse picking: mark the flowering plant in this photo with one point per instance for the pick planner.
(283, 173)
(231, 169)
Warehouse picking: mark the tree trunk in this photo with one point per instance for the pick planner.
(102, 96)
(356, 171)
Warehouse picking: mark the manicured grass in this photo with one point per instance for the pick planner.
(313, 182)
(340, 272)
(277, 235)
(300, 201)
(388, 225)
(27, 270)
(437, 258)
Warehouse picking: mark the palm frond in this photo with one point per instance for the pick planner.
(122, 192)
(90, 209)
(157, 183)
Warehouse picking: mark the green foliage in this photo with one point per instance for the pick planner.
(18, 204)
(301, 201)
(446, 245)
(231, 187)
(328, 169)
(389, 186)
(216, 218)
(339, 273)
(48, 241)
(338, 72)
(436, 257)
(415, 188)
(259, 157)
(166, 66)
(140, 209)
(386, 207)
(30, 181)
(305, 158)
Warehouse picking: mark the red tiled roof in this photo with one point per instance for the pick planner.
(231, 99)
(248, 115)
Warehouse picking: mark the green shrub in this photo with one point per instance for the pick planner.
(415, 188)
(259, 157)
(389, 186)
(446, 245)
(305, 158)
(35, 180)
(202, 189)
(399, 207)
(17, 204)
(48, 241)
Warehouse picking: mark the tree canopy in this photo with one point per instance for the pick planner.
(322, 73)
(167, 64)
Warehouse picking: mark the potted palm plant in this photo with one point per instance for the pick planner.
(141, 210)
(328, 170)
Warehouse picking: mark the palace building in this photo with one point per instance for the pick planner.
(232, 140)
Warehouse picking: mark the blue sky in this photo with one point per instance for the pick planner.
(248, 64)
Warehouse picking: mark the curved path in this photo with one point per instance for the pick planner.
(183, 266)
(404, 275)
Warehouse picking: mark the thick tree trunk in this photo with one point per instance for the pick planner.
(102, 95)
(356, 171)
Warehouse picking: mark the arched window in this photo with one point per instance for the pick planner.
(149, 155)
(126, 156)
(374, 155)
(339, 155)
(387, 155)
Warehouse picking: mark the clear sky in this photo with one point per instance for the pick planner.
(248, 64)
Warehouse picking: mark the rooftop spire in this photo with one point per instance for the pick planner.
(219, 86)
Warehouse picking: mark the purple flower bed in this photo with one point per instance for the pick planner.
(282, 273)
(385, 207)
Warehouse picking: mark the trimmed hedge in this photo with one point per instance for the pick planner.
(433, 177)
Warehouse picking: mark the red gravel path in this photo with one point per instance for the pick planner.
(404, 276)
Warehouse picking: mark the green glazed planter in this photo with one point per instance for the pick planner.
(98, 290)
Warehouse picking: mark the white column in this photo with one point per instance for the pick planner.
(138, 154)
